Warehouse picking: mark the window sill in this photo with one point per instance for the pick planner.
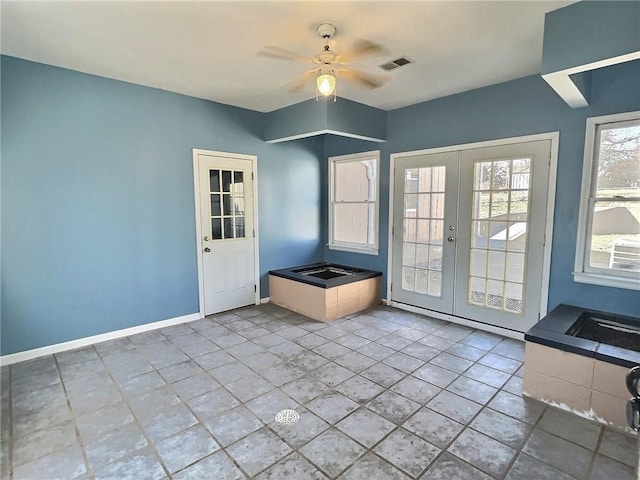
(353, 249)
(607, 280)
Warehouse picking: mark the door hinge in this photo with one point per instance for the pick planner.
(393, 230)
(254, 233)
(251, 175)
(549, 158)
(255, 288)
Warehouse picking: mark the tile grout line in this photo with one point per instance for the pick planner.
(88, 468)
(520, 449)
(135, 419)
(596, 451)
(483, 406)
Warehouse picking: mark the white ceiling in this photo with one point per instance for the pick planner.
(209, 49)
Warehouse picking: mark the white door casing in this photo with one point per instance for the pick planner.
(226, 230)
(530, 223)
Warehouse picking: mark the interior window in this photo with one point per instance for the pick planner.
(608, 250)
(353, 202)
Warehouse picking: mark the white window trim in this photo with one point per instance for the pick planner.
(355, 247)
(581, 272)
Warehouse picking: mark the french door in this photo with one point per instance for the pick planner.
(469, 231)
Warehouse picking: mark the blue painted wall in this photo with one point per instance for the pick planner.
(520, 107)
(589, 31)
(315, 117)
(98, 226)
(98, 229)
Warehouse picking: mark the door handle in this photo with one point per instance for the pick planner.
(207, 249)
(450, 238)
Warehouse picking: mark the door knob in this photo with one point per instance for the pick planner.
(450, 238)
(207, 249)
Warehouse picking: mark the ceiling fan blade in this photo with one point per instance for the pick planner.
(282, 54)
(298, 83)
(362, 79)
(363, 48)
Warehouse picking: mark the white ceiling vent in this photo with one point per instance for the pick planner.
(393, 64)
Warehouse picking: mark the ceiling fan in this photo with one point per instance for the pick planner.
(328, 65)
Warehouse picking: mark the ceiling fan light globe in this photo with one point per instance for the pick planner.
(326, 84)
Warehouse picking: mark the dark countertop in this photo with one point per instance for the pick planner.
(293, 273)
(551, 331)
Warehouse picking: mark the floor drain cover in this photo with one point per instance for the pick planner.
(287, 417)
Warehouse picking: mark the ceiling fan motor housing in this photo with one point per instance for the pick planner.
(326, 30)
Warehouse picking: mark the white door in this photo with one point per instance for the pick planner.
(425, 206)
(483, 256)
(227, 229)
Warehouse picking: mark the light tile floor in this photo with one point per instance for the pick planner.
(382, 395)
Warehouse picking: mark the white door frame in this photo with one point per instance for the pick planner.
(199, 248)
(554, 137)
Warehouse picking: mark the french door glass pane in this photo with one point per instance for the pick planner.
(500, 216)
(423, 230)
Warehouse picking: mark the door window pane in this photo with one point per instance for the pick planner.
(411, 205)
(500, 171)
(478, 265)
(481, 205)
(409, 254)
(515, 298)
(228, 228)
(226, 180)
(437, 179)
(424, 182)
(240, 227)
(409, 231)
(226, 205)
(411, 180)
(494, 294)
(214, 180)
(216, 209)
(437, 205)
(216, 228)
(477, 287)
(422, 281)
(408, 278)
(423, 231)
(435, 284)
(495, 268)
(422, 256)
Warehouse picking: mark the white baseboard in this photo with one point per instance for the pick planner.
(86, 341)
(265, 300)
(505, 332)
